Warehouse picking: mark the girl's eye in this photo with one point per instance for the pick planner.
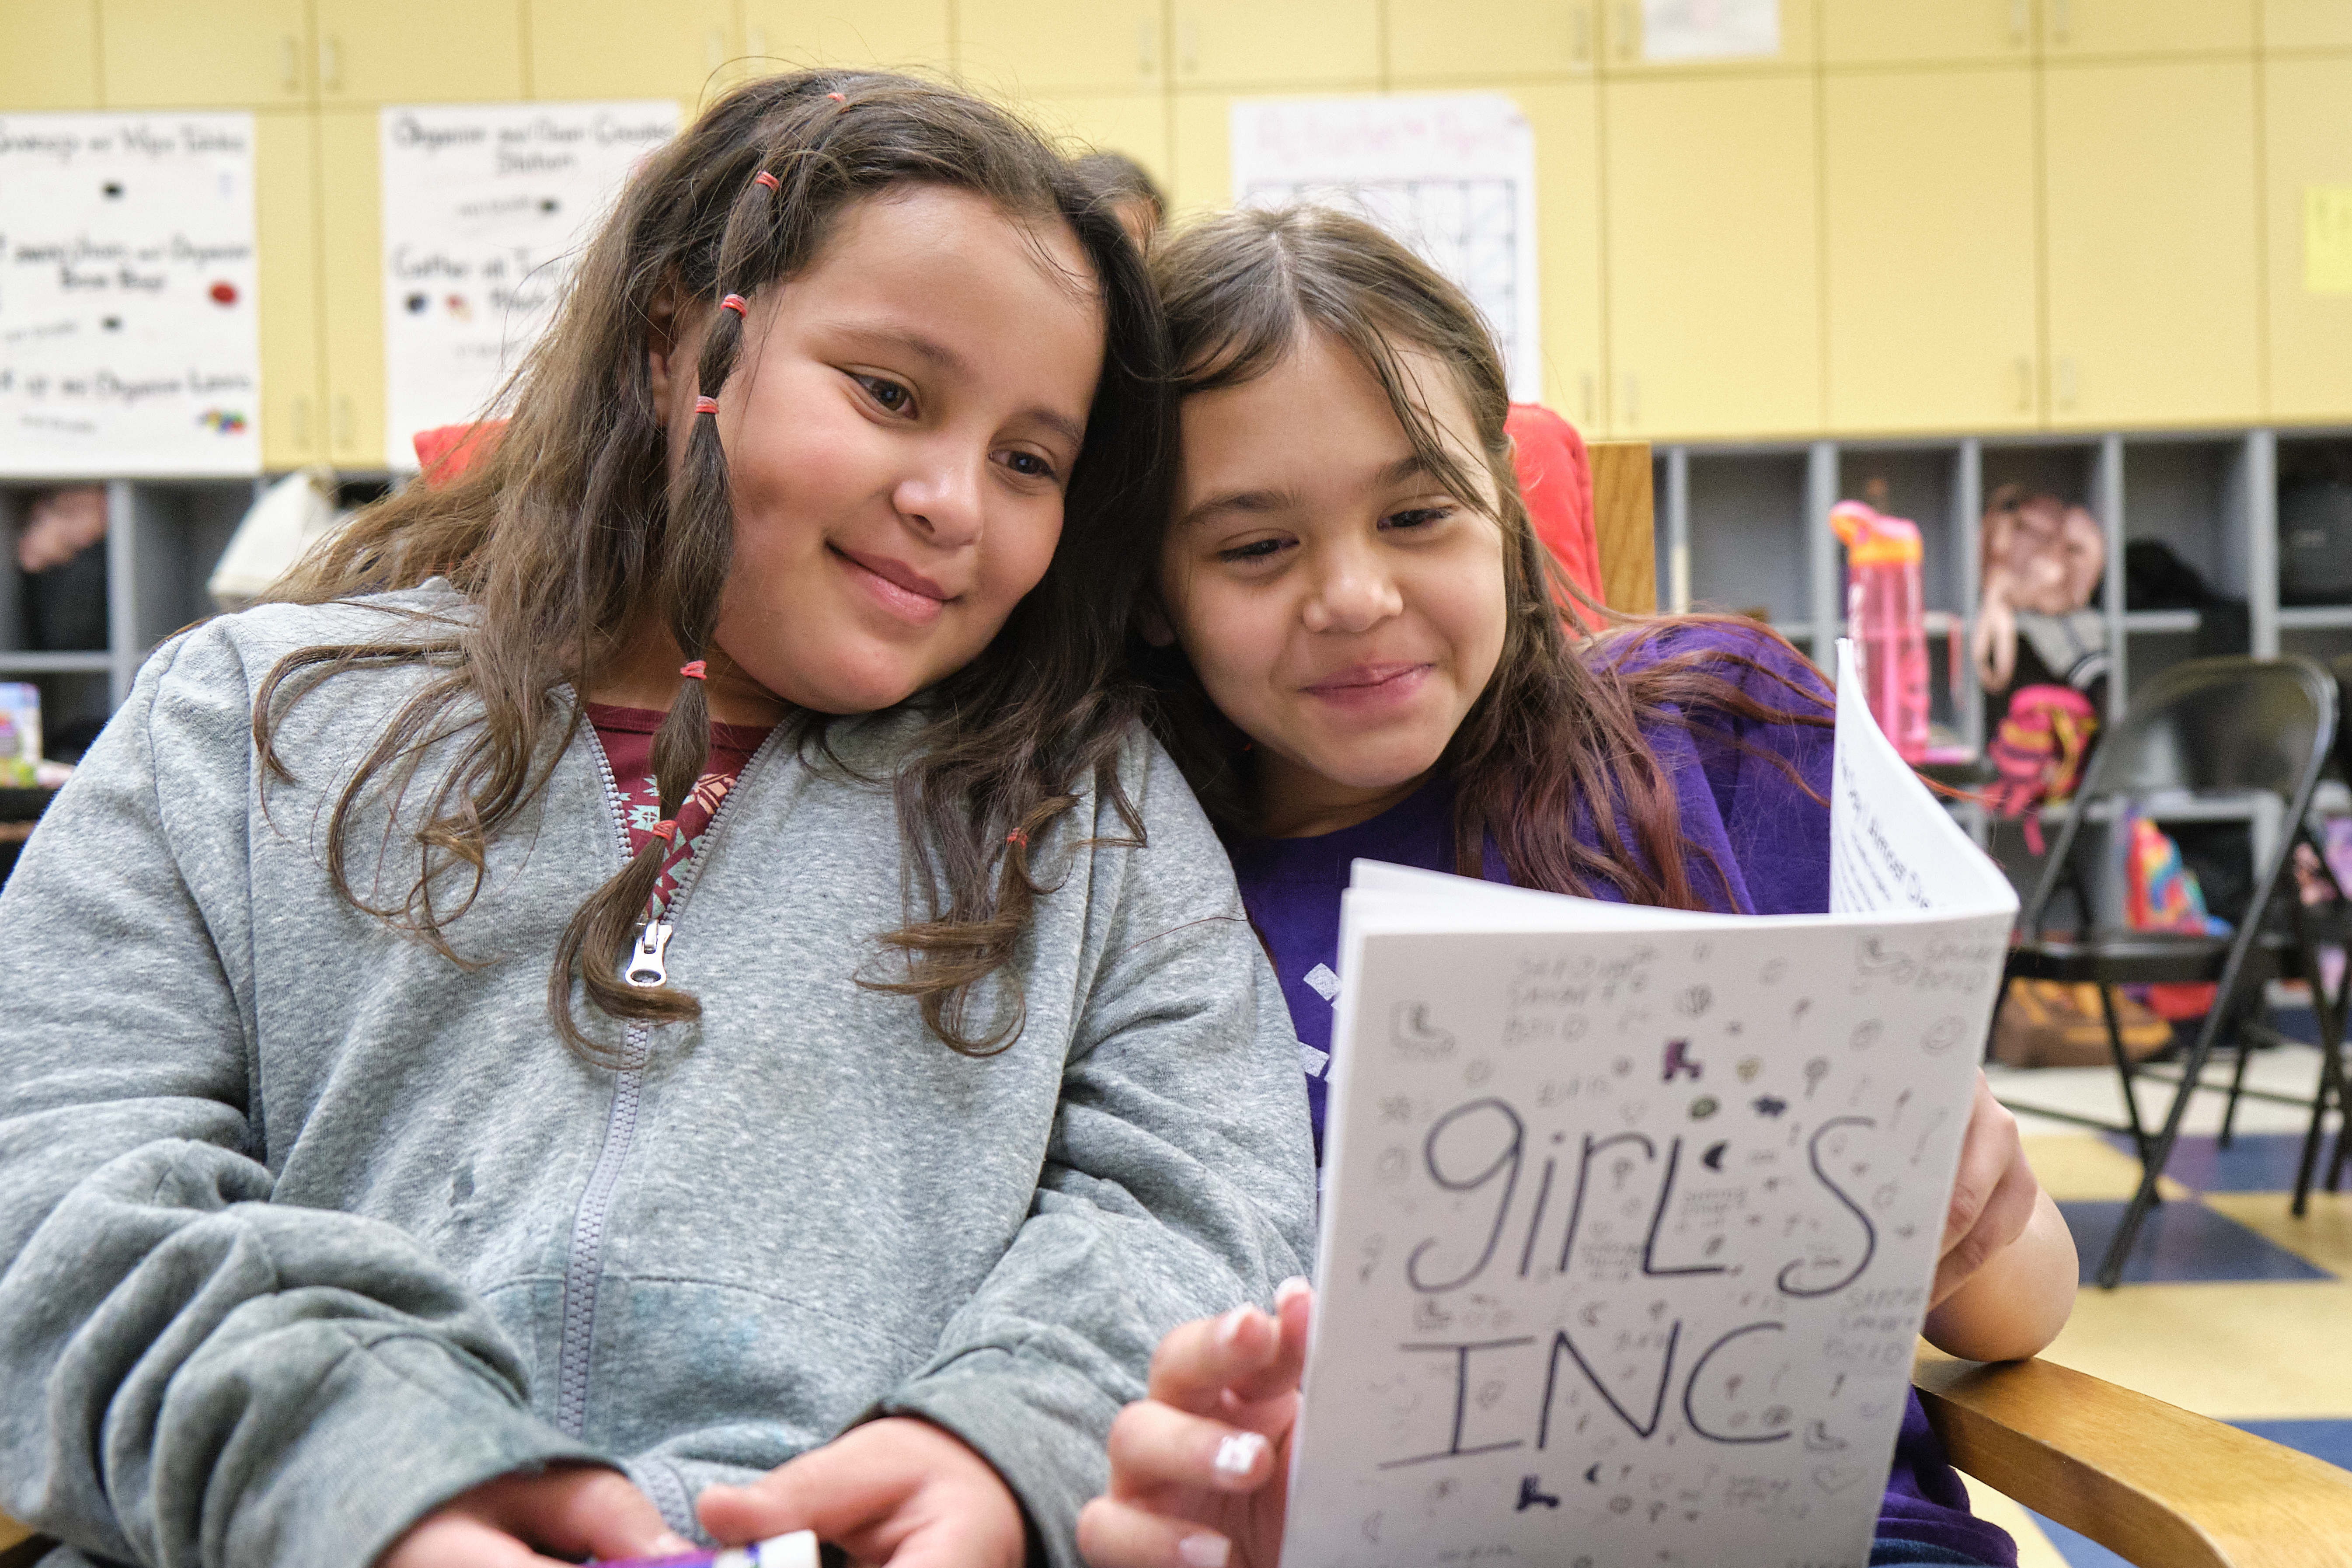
(1256, 550)
(1417, 517)
(888, 393)
(1029, 465)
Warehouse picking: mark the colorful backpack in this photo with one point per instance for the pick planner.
(2161, 893)
(2039, 754)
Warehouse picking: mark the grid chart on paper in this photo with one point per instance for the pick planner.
(1467, 229)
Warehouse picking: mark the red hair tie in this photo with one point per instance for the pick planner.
(693, 669)
(666, 830)
(732, 302)
(839, 100)
(1017, 837)
(765, 178)
(705, 406)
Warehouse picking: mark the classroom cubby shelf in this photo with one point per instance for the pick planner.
(1747, 527)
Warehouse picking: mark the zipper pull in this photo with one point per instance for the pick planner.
(649, 964)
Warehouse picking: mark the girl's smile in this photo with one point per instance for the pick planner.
(896, 586)
(1338, 602)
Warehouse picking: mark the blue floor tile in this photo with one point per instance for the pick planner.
(2328, 1440)
(2254, 1163)
(2180, 1243)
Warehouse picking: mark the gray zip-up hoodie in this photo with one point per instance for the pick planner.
(307, 1229)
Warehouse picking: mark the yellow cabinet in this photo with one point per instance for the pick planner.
(1627, 49)
(1135, 123)
(2076, 28)
(285, 236)
(1713, 264)
(2310, 329)
(905, 35)
(171, 54)
(1441, 43)
(1019, 47)
(419, 51)
(351, 278)
(2150, 185)
(2306, 24)
(1199, 152)
(1565, 119)
(683, 49)
(1925, 32)
(50, 58)
(1315, 44)
(1929, 214)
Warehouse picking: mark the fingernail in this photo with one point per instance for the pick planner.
(668, 1545)
(1295, 1286)
(1204, 1551)
(1237, 1452)
(1229, 1327)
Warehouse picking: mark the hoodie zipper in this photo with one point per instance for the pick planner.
(584, 1262)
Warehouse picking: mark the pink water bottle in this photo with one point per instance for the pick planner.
(1886, 621)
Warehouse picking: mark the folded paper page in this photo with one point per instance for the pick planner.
(1630, 1214)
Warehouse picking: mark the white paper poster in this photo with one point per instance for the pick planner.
(1711, 29)
(1630, 1214)
(127, 333)
(1452, 176)
(486, 207)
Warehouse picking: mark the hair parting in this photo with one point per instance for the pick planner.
(571, 534)
(1557, 736)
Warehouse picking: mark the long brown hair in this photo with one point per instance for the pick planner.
(1557, 734)
(572, 530)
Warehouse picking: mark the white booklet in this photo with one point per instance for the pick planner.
(1630, 1214)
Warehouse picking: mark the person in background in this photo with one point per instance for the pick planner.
(1354, 654)
(656, 991)
(1128, 186)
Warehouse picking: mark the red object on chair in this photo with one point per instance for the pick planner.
(1555, 480)
(447, 452)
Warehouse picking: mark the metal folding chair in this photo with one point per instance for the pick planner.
(2212, 732)
(2330, 1009)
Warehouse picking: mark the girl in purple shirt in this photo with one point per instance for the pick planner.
(1356, 653)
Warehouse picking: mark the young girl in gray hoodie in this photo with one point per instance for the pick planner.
(658, 990)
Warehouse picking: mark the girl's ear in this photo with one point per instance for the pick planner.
(1151, 620)
(666, 355)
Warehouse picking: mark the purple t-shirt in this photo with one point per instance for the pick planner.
(1739, 813)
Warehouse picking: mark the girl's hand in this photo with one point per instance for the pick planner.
(896, 1491)
(1200, 1471)
(578, 1510)
(2005, 1282)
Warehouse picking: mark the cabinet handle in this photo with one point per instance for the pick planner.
(300, 422)
(2024, 384)
(2066, 382)
(757, 40)
(2062, 18)
(1147, 47)
(288, 63)
(1579, 36)
(343, 431)
(331, 70)
(2017, 21)
(1188, 46)
(1632, 398)
(1587, 389)
(714, 49)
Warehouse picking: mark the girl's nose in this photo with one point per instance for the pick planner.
(942, 498)
(1351, 594)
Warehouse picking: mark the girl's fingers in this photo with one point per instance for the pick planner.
(1991, 1156)
(1113, 1534)
(1155, 1446)
(1199, 1360)
(596, 1513)
(461, 1541)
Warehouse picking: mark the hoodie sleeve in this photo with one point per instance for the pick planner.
(199, 1375)
(1179, 1181)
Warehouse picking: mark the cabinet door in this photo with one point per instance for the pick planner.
(1565, 117)
(906, 35)
(1627, 47)
(1713, 264)
(2306, 24)
(350, 273)
(2075, 29)
(419, 51)
(168, 53)
(1927, 207)
(624, 48)
(2310, 329)
(1199, 152)
(1015, 48)
(1436, 43)
(1925, 32)
(2150, 176)
(1278, 43)
(285, 236)
(1135, 123)
(51, 58)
